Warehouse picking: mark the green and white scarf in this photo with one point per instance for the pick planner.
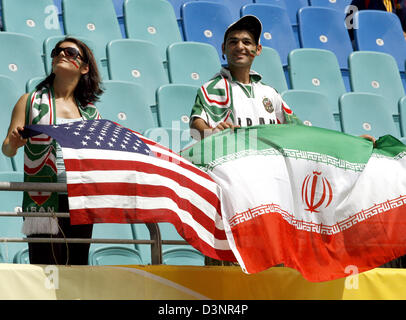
(40, 160)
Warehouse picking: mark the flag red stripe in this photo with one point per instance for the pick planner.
(138, 215)
(111, 165)
(144, 190)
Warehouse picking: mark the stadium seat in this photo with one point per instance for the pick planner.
(153, 21)
(291, 6)
(380, 31)
(50, 43)
(234, 6)
(182, 256)
(9, 96)
(192, 63)
(317, 70)
(14, 51)
(22, 256)
(177, 5)
(376, 72)
(402, 116)
(112, 231)
(10, 227)
(277, 31)
(269, 65)
(324, 28)
(175, 102)
(313, 108)
(32, 83)
(366, 113)
(92, 19)
(38, 19)
(339, 5)
(175, 139)
(137, 61)
(403, 140)
(205, 21)
(119, 9)
(125, 103)
(114, 255)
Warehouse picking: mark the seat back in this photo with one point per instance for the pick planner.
(339, 5)
(291, 6)
(14, 64)
(9, 96)
(175, 139)
(10, 227)
(376, 72)
(92, 19)
(313, 108)
(317, 70)
(137, 61)
(205, 21)
(277, 30)
(366, 113)
(192, 63)
(402, 116)
(175, 102)
(38, 19)
(153, 21)
(324, 28)
(380, 31)
(114, 255)
(234, 6)
(269, 65)
(125, 103)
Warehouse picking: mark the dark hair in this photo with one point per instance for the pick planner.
(88, 89)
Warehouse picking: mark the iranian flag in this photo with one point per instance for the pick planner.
(315, 200)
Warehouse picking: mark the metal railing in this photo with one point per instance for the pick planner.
(156, 241)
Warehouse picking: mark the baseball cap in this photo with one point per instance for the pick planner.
(248, 22)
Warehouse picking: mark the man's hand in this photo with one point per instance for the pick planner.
(368, 137)
(223, 126)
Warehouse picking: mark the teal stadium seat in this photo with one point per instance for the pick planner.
(313, 108)
(376, 72)
(10, 227)
(291, 7)
(32, 83)
(171, 254)
(175, 102)
(205, 21)
(9, 96)
(269, 65)
(317, 70)
(137, 61)
(192, 63)
(324, 28)
(20, 57)
(51, 42)
(153, 21)
(366, 113)
(380, 31)
(177, 5)
(339, 5)
(402, 116)
(113, 254)
(234, 6)
(38, 19)
(175, 139)
(277, 30)
(125, 103)
(95, 20)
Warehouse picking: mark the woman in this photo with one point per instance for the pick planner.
(66, 95)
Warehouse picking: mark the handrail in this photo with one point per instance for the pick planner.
(156, 241)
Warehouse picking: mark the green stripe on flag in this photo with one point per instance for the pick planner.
(298, 141)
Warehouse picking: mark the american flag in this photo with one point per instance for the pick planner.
(115, 175)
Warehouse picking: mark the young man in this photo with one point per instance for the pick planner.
(236, 97)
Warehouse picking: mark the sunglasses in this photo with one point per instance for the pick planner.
(69, 52)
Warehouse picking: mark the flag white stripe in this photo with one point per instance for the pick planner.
(78, 177)
(129, 202)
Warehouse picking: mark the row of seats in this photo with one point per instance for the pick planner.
(139, 83)
(100, 254)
